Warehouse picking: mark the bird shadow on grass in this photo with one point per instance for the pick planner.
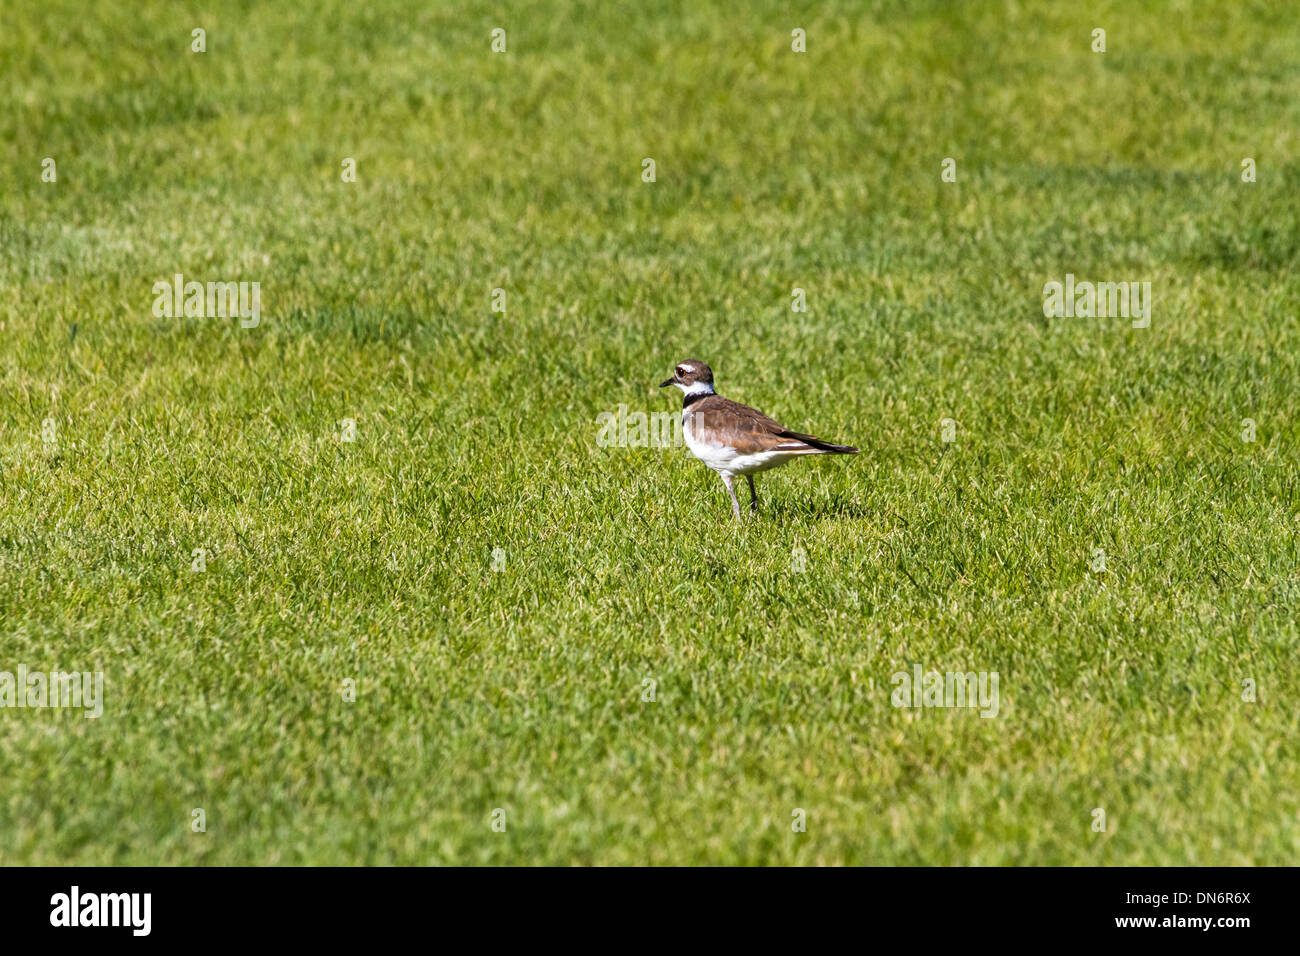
(817, 509)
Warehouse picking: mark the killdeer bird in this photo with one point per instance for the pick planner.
(734, 439)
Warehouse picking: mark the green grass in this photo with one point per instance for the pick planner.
(522, 689)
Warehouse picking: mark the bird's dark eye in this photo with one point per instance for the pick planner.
(680, 371)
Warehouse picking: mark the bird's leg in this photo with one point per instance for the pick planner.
(730, 482)
(753, 496)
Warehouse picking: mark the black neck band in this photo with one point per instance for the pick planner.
(692, 399)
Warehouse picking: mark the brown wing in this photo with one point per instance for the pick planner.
(720, 420)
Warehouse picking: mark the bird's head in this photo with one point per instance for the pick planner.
(692, 376)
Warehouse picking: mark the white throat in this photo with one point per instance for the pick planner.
(695, 388)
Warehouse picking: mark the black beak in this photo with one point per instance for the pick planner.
(667, 383)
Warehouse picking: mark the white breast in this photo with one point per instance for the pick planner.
(714, 455)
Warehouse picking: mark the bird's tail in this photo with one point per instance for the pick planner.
(816, 444)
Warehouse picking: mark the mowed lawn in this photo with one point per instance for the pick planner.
(642, 680)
